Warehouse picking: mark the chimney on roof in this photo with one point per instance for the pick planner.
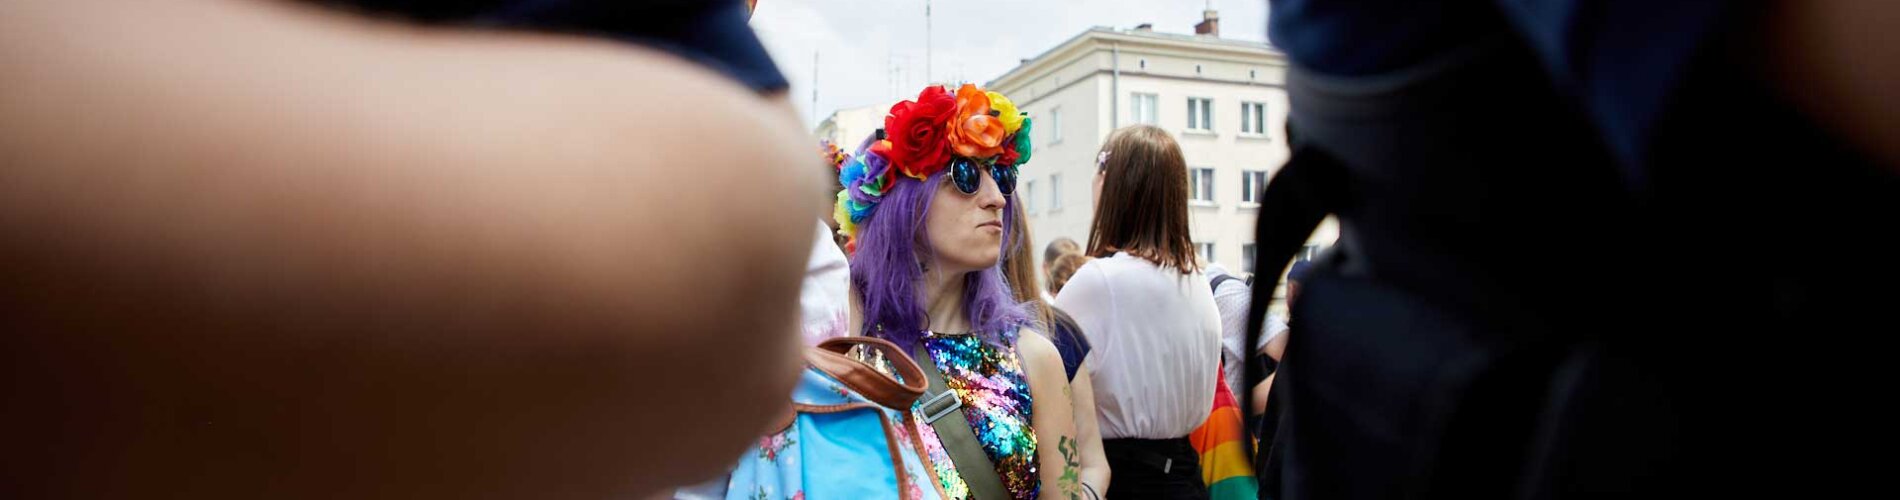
(1210, 24)
(1145, 27)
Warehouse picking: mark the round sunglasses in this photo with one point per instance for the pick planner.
(965, 173)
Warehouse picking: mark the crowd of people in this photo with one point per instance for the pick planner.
(1101, 375)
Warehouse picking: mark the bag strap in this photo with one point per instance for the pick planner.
(876, 386)
(959, 441)
(1214, 285)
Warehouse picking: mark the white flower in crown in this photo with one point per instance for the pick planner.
(1101, 159)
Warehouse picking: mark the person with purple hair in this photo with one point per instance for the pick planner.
(924, 212)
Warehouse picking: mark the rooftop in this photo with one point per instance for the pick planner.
(1136, 36)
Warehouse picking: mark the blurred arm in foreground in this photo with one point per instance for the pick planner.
(1839, 62)
(252, 249)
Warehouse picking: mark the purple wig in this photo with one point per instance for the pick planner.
(886, 271)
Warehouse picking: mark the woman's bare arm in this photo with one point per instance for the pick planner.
(1095, 472)
(1057, 455)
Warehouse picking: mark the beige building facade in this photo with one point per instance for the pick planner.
(1223, 100)
(848, 127)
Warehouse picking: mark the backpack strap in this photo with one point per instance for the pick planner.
(959, 441)
(1214, 285)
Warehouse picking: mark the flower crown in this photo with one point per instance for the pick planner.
(921, 137)
(832, 154)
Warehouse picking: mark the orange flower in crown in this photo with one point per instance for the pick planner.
(976, 132)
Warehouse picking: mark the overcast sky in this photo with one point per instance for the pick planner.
(872, 51)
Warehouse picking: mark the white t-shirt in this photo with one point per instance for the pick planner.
(1233, 297)
(1156, 339)
(824, 299)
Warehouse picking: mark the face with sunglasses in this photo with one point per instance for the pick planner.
(965, 219)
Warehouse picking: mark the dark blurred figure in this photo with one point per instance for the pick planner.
(1588, 248)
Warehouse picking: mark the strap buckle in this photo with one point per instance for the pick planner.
(931, 410)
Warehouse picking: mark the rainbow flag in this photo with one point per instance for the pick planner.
(1225, 466)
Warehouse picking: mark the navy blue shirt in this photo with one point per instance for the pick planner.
(1066, 334)
(713, 33)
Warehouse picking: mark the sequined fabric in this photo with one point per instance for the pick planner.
(946, 471)
(989, 380)
(953, 485)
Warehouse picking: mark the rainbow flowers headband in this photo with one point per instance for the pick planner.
(832, 154)
(922, 137)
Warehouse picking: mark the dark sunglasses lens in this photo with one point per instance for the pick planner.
(964, 172)
(1005, 179)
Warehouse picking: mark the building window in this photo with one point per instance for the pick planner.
(1029, 196)
(1055, 126)
(1252, 74)
(1144, 64)
(1251, 182)
(1055, 191)
(1206, 251)
(1197, 69)
(1246, 258)
(1200, 114)
(1253, 118)
(1143, 108)
(1201, 184)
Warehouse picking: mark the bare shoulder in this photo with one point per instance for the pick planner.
(1037, 351)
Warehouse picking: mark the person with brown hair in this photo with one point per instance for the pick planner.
(1147, 310)
(1055, 250)
(1063, 268)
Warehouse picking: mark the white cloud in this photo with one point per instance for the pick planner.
(871, 52)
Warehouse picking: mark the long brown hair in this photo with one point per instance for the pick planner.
(1143, 210)
(1019, 269)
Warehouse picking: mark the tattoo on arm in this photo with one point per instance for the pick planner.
(1071, 460)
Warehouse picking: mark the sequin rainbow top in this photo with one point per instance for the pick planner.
(989, 381)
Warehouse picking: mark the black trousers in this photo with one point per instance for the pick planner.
(1153, 468)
